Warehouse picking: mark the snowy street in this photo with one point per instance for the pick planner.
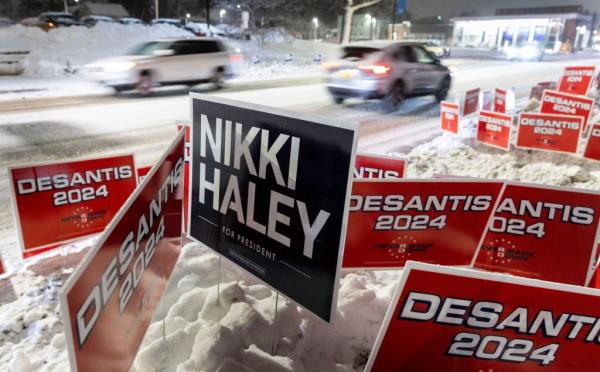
(83, 127)
(299, 186)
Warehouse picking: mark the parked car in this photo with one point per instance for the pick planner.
(166, 21)
(165, 62)
(5, 22)
(130, 21)
(50, 20)
(59, 19)
(389, 71)
(437, 50)
(92, 20)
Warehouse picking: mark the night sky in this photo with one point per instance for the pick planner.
(427, 8)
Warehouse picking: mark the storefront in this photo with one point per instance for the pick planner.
(564, 32)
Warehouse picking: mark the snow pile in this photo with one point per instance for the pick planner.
(462, 156)
(64, 50)
(232, 329)
(31, 332)
(235, 330)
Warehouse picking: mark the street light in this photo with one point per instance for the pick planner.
(372, 26)
(222, 14)
(315, 21)
(187, 18)
(368, 17)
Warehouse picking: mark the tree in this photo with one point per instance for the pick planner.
(351, 7)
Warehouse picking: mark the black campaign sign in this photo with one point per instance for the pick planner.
(270, 192)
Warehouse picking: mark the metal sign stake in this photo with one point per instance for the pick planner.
(274, 330)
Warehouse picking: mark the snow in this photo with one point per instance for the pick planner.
(208, 326)
(233, 325)
(31, 336)
(64, 50)
(462, 156)
(206, 330)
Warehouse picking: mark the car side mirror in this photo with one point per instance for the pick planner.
(163, 52)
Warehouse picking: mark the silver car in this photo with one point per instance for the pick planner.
(166, 62)
(390, 71)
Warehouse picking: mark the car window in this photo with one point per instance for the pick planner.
(208, 46)
(408, 54)
(196, 47)
(357, 53)
(147, 49)
(401, 54)
(421, 56)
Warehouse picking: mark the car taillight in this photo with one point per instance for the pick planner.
(379, 70)
(236, 58)
(330, 66)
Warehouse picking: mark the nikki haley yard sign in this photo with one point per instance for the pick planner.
(270, 192)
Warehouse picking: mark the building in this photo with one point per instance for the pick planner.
(558, 29)
(365, 27)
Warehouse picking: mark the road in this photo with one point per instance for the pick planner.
(75, 128)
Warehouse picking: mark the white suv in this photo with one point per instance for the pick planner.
(165, 62)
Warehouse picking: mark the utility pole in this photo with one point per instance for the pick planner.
(394, 20)
(209, 33)
(155, 9)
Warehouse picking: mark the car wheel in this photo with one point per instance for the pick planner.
(338, 100)
(393, 100)
(442, 93)
(144, 85)
(218, 79)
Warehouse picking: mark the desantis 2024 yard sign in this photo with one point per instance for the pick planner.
(449, 319)
(270, 192)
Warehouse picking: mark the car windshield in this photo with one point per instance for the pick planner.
(357, 53)
(147, 49)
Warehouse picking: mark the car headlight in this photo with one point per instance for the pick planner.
(511, 52)
(529, 52)
(118, 66)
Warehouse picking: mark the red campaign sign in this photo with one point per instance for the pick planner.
(576, 79)
(536, 92)
(437, 221)
(108, 302)
(452, 319)
(549, 132)
(142, 172)
(543, 232)
(378, 166)
(186, 169)
(449, 116)
(493, 129)
(471, 101)
(487, 100)
(57, 202)
(592, 147)
(500, 100)
(554, 102)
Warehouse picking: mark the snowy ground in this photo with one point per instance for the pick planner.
(235, 330)
(62, 53)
